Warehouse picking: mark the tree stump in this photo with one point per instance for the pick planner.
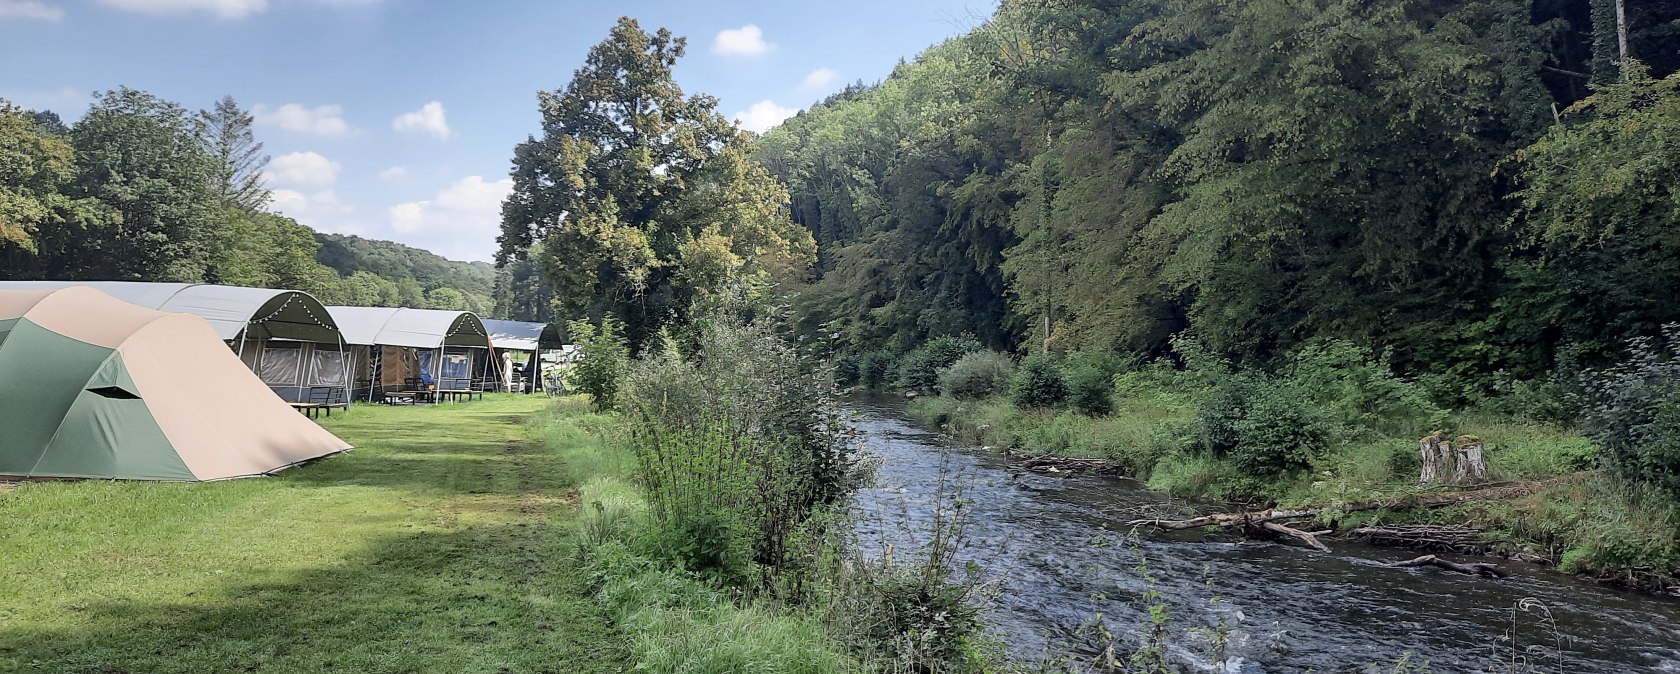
(1434, 463)
(1472, 463)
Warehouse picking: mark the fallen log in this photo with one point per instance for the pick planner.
(1473, 569)
(1311, 538)
(1443, 538)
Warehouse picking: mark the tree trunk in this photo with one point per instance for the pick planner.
(1434, 459)
(1472, 464)
(1621, 36)
(1476, 569)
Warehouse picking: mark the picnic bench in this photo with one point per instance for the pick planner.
(321, 398)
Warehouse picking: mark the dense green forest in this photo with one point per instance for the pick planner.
(1469, 186)
(141, 189)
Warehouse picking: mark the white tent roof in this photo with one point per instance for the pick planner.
(417, 328)
(522, 335)
(262, 313)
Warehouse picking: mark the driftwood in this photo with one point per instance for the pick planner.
(1310, 537)
(1497, 493)
(1473, 569)
(1426, 537)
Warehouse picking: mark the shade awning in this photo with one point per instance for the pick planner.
(523, 335)
(415, 328)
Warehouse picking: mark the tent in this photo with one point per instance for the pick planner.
(521, 336)
(390, 346)
(99, 388)
(287, 337)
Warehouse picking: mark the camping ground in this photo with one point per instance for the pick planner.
(439, 544)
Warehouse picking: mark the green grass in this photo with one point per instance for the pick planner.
(442, 544)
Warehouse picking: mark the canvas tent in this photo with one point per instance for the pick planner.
(521, 336)
(390, 346)
(285, 336)
(99, 388)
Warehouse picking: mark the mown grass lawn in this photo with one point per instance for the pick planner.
(441, 544)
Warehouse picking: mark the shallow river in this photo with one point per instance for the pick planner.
(1056, 548)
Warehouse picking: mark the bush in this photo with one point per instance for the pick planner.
(1091, 390)
(874, 369)
(603, 359)
(1633, 412)
(846, 369)
(981, 374)
(1039, 383)
(1359, 392)
(1279, 432)
(919, 369)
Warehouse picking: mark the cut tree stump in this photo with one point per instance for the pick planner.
(1473, 569)
(1471, 464)
(1434, 458)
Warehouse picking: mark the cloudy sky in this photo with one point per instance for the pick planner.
(396, 119)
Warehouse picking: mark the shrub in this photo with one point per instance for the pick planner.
(1279, 432)
(1633, 411)
(1039, 383)
(603, 359)
(1359, 392)
(846, 371)
(1091, 390)
(981, 374)
(919, 369)
(874, 369)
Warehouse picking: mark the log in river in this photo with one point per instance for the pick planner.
(1061, 554)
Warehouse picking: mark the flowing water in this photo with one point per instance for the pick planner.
(1055, 547)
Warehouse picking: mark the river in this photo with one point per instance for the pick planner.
(1053, 547)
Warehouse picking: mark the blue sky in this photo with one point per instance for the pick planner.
(396, 119)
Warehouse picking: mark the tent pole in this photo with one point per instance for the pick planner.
(299, 378)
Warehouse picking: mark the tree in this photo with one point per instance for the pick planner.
(140, 155)
(236, 172)
(622, 191)
(35, 169)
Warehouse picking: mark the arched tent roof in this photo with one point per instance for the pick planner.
(269, 313)
(99, 388)
(417, 328)
(523, 335)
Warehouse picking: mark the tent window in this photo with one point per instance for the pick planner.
(280, 363)
(326, 368)
(457, 365)
(116, 392)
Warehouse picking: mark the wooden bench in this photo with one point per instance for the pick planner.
(322, 398)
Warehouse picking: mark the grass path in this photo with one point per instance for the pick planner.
(442, 544)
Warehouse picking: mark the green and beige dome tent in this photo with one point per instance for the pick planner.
(94, 387)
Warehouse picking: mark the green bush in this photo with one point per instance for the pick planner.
(875, 369)
(919, 369)
(1633, 411)
(846, 371)
(1091, 390)
(1278, 433)
(603, 360)
(1039, 383)
(1359, 392)
(981, 374)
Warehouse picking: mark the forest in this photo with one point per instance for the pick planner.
(142, 189)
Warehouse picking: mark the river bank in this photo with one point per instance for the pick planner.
(1593, 527)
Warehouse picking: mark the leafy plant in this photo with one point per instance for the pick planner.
(1039, 383)
(1633, 411)
(875, 369)
(980, 374)
(1090, 390)
(919, 369)
(603, 360)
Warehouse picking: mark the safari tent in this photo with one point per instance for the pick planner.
(530, 339)
(394, 348)
(285, 336)
(99, 388)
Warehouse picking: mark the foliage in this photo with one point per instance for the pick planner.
(603, 361)
(410, 277)
(977, 375)
(36, 168)
(644, 199)
(236, 158)
(875, 369)
(1090, 388)
(1632, 410)
(1039, 383)
(919, 369)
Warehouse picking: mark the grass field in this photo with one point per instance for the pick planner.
(441, 544)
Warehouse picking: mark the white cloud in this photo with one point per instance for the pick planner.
(225, 9)
(325, 120)
(302, 169)
(459, 222)
(394, 173)
(30, 9)
(747, 40)
(319, 210)
(763, 115)
(819, 79)
(428, 119)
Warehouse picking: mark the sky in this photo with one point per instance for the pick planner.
(396, 119)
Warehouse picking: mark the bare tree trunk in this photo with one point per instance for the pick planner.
(1472, 463)
(1434, 459)
(1621, 35)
